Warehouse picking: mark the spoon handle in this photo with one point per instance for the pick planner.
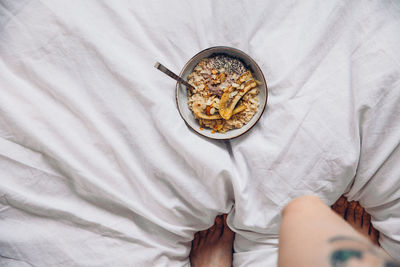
(162, 68)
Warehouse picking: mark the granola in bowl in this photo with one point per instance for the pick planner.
(226, 94)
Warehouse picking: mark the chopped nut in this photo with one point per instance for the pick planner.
(222, 77)
(208, 110)
(215, 82)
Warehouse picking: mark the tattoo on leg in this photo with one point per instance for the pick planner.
(348, 249)
(341, 256)
(352, 241)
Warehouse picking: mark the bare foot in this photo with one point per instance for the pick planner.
(357, 217)
(213, 247)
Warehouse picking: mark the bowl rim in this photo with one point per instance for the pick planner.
(242, 55)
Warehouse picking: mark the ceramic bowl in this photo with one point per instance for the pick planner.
(182, 94)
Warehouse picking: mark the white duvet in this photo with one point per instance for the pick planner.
(97, 168)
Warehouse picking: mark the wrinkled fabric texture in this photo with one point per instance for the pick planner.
(97, 167)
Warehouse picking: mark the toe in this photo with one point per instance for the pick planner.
(195, 241)
(214, 232)
(203, 234)
(374, 235)
(212, 229)
(350, 216)
(227, 234)
(340, 206)
(366, 222)
(358, 213)
(219, 220)
(202, 238)
(219, 223)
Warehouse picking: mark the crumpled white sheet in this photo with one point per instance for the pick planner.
(98, 169)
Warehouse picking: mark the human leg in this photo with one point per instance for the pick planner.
(312, 235)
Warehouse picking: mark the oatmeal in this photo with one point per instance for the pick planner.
(225, 95)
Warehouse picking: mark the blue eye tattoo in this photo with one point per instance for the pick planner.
(341, 256)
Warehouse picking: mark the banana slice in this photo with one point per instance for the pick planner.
(199, 112)
(238, 109)
(244, 77)
(229, 99)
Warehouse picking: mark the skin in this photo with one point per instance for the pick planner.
(357, 217)
(213, 247)
(311, 234)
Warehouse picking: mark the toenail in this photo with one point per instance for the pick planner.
(359, 210)
(353, 205)
(340, 202)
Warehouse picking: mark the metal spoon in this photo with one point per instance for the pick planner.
(162, 68)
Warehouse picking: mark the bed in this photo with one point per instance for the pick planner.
(97, 168)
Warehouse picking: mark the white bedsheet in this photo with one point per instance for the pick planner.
(97, 168)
